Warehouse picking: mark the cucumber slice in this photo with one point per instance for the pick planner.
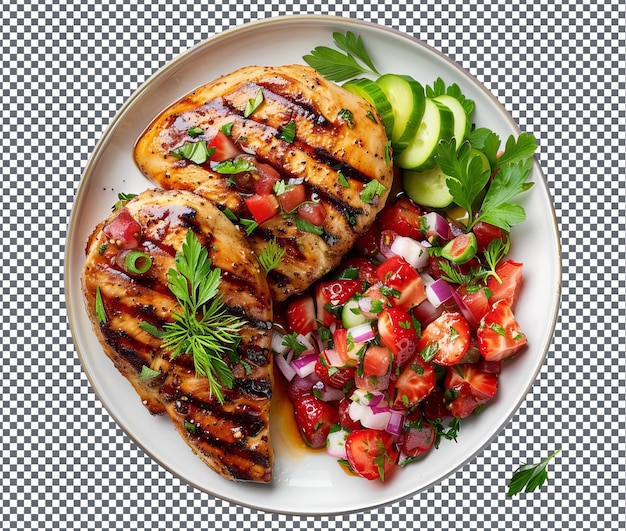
(351, 314)
(437, 124)
(461, 119)
(427, 187)
(461, 249)
(373, 94)
(407, 99)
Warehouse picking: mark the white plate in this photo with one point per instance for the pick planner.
(307, 483)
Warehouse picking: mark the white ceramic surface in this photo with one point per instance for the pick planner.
(308, 483)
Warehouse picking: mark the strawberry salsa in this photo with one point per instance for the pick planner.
(386, 354)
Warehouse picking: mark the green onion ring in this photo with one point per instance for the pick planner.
(138, 263)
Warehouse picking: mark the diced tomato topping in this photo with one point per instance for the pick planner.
(510, 273)
(372, 454)
(403, 284)
(403, 217)
(265, 178)
(124, 230)
(314, 419)
(262, 207)
(499, 334)
(446, 339)
(368, 244)
(415, 383)
(314, 213)
(292, 197)
(225, 148)
(301, 315)
(397, 333)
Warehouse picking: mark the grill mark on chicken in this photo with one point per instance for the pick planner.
(128, 300)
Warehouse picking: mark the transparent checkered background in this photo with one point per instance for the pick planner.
(67, 68)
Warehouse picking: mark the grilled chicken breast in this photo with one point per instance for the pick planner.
(231, 437)
(310, 132)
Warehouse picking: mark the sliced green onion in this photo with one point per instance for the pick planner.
(138, 263)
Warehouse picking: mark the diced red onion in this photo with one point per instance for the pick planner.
(304, 340)
(362, 333)
(305, 365)
(277, 343)
(365, 398)
(376, 400)
(333, 358)
(376, 419)
(437, 226)
(396, 421)
(438, 290)
(285, 368)
(336, 444)
(464, 309)
(411, 250)
(327, 393)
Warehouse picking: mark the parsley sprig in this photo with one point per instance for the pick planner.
(203, 329)
(529, 477)
(337, 66)
(468, 176)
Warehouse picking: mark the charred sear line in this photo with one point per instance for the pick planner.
(322, 156)
(259, 388)
(351, 213)
(297, 105)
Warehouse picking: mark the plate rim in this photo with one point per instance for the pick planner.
(163, 71)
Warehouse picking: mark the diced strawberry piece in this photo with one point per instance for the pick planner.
(371, 453)
(332, 375)
(376, 361)
(344, 417)
(397, 333)
(510, 273)
(499, 334)
(464, 404)
(414, 384)
(483, 385)
(331, 295)
(445, 340)
(301, 315)
(403, 284)
(314, 419)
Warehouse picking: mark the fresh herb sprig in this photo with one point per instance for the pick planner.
(337, 66)
(203, 329)
(468, 177)
(529, 477)
(271, 255)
